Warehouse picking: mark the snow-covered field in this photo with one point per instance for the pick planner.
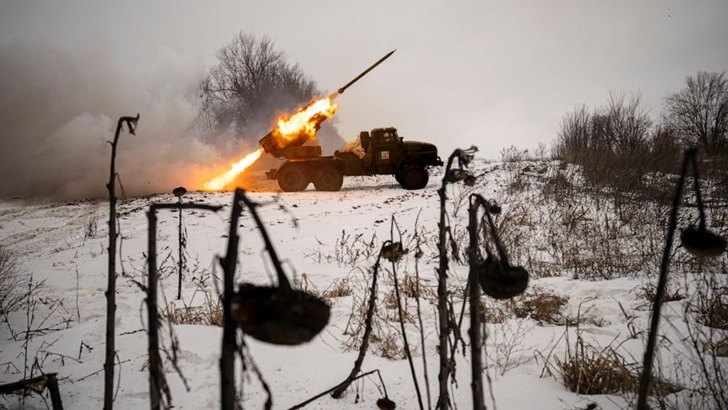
(324, 238)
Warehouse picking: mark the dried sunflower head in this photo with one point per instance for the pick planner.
(702, 243)
(501, 281)
(179, 191)
(393, 251)
(386, 404)
(282, 317)
(465, 156)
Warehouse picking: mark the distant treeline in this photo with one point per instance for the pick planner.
(620, 147)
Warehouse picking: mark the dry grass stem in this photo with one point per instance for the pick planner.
(209, 313)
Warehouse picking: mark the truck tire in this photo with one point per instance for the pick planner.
(293, 178)
(412, 176)
(328, 179)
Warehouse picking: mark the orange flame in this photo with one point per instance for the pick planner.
(236, 169)
(299, 127)
(307, 120)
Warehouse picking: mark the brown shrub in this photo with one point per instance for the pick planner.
(494, 312)
(339, 288)
(13, 284)
(411, 288)
(588, 370)
(721, 347)
(388, 347)
(713, 309)
(542, 307)
(209, 313)
(649, 292)
(390, 300)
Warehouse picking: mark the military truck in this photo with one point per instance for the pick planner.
(385, 153)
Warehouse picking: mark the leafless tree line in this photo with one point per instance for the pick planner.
(618, 143)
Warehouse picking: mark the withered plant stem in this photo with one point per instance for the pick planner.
(322, 394)
(443, 311)
(155, 382)
(269, 396)
(283, 283)
(459, 325)
(131, 123)
(646, 376)
(476, 346)
(399, 311)
(28, 321)
(493, 231)
(443, 400)
(228, 263)
(180, 256)
(156, 375)
(422, 332)
(48, 380)
(229, 342)
(337, 391)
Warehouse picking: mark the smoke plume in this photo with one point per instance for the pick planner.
(59, 108)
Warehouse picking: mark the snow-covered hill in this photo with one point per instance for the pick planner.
(330, 240)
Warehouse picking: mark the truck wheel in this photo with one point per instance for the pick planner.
(328, 179)
(293, 179)
(413, 177)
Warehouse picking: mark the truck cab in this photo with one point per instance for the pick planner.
(385, 153)
(388, 153)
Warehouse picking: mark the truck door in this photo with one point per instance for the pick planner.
(386, 155)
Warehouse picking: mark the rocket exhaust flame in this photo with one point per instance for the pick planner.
(307, 120)
(236, 169)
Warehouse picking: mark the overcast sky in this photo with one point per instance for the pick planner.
(490, 73)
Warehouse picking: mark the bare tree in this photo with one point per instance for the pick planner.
(664, 149)
(612, 143)
(620, 127)
(251, 83)
(573, 137)
(698, 113)
(629, 123)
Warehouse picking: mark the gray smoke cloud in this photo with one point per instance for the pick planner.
(58, 109)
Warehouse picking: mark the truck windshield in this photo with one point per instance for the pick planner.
(389, 137)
